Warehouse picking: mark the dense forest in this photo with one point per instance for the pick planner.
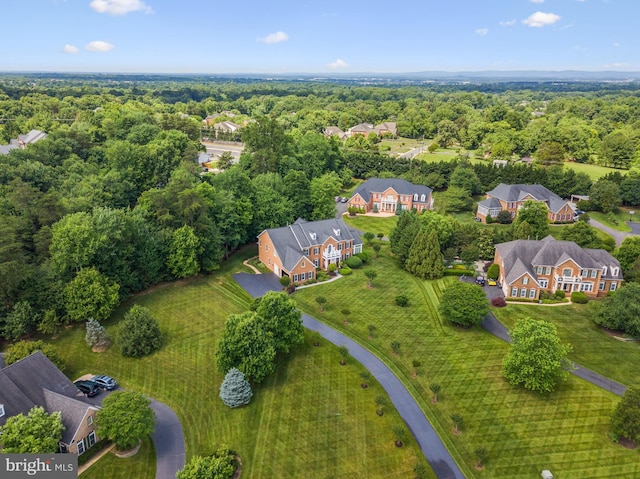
(113, 199)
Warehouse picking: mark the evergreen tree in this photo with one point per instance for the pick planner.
(425, 259)
(235, 390)
(95, 334)
(625, 421)
(402, 236)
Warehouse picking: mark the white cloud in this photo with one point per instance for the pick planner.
(99, 46)
(537, 1)
(616, 65)
(541, 19)
(508, 23)
(276, 37)
(70, 49)
(339, 63)
(120, 7)
(482, 31)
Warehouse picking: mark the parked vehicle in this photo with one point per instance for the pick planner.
(88, 388)
(492, 282)
(481, 281)
(344, 199)
(105, 382)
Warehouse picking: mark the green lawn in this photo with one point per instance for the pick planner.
(310, 419)
(524, 432)
(594, 171)
(621, 217)
(592, 347)
(402, 145)
(374, 224)
(140, 466)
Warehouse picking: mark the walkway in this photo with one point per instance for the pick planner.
(432, 447)
(168, 440)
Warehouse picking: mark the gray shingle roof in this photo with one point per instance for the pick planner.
(402, 187)
(518, 192)
(522, 256)
(290, 241)
(490, 203)
(32, 136)
(36, 381)
(5, 149)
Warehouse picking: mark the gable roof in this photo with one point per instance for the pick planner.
(519, 192)
(522, 256)
(32, 137)
(36, 381)
(402, 187)
(5, 149)
(334, 130)
(389, 126)
(361, 128)
(290, 241)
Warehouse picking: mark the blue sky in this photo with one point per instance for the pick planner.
(286, 36)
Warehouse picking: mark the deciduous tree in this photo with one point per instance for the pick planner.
(537, 359)
(625, 420)
(535, 214)
(126, 418)
(463, 304)
(621, 311)
(35, 433)
(221, 465)
(90, 295)
(278, 315)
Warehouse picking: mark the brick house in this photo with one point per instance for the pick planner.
(297, 250)
(511, 197)
(335, 131)
(36, 381)
(391, 194)
(528, 267)
(366, 128)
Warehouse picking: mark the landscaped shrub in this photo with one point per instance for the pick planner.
(354, 262)
(579, 297)
(504, 217)
(321, 276)
(402, 300)
(235, 390)
(458, 272)
(345, 271)
(291, 288)
(498, 302)
(494, 271)
(561, 294)
(332, 267)
(285, 280)
(311, 281)
(365, 257)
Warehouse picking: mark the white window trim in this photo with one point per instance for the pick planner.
(532, 293)
(81, 448)
(614, 286)
(525, 280)
(514, 292)
(2, 410)
(89, 420)
(92, 434)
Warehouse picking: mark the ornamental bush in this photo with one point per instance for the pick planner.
(402, 300)
(345, 271)
(579, 297)
(498, 302)
(561, 294)
(235, 390)
(285, 280)
(332, 267)
(354, 262)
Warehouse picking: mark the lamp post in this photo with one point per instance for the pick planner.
(631, 213)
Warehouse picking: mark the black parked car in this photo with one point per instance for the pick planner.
(105, 382)
(88, 388)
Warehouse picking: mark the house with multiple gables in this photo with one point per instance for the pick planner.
(511, 198)
(364, 129)
(22, 141)
(388, 195)
(528, 267)
(36, 381)
(296, 250)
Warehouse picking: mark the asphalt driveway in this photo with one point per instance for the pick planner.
(432, 447)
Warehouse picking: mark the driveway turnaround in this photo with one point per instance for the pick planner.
(432, 447)
(618, 236)
(168, 440)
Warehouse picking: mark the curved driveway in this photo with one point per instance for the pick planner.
(168, 440)
(430, 444)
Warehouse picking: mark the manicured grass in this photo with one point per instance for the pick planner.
(374, 224)
(310, 419)
(592, 347)
(594, 171)
(140, 466)
(402, 145)
(621, 217)
(554, 230)
(524, 432)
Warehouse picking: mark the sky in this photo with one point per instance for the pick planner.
(328, 36)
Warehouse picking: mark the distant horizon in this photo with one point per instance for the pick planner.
(248, 37)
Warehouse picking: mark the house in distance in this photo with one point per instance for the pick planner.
(388, 195)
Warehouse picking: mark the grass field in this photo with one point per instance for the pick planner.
(594, 171)
(374, 224)
(402, 145)
(524, 432)
(310, 419)
(592, 347)
(140, 466)
(621, 217)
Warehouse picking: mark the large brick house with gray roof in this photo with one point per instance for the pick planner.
(36, 381)
(388, 195)
(298, 249)
(511, 197)
(528, 267)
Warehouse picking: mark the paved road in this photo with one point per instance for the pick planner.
(432, 447)
(413, 152)
(168, 440)
(619, 236)
(635, 227)
(216, 149)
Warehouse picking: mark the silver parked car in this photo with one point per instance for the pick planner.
(105, 382)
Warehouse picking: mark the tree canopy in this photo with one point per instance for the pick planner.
(464, 304)
(35, 433)
(625, 420)
(621, 311)
(537, 359)
(125, 418)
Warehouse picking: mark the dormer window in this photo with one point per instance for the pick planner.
(337, 232)
(1, 410)
(614, 271)
(312, 236)
(604, 271)
(423, 198)
(415, 197)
